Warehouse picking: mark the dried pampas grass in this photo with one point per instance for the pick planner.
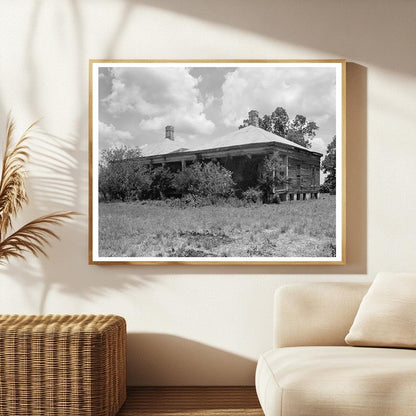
(33, 236)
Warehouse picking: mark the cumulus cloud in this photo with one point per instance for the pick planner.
(209, 100)
(159, 96)
(109, 135)
(306, 91)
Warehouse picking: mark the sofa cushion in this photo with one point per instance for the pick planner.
(315, 314)
(387, 314)
(341, 381)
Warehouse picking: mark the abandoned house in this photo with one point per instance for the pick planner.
(243, 152)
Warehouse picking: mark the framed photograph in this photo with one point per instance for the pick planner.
(217, 162)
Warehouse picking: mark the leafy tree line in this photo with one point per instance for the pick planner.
(121, 177)
(298, 130)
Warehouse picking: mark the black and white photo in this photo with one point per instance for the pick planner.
(217, 162)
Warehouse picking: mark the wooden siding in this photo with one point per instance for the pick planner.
(303, 175)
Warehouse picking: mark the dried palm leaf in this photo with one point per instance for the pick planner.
(12, 181)
(34, 236)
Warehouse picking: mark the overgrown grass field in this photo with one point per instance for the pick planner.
(155, 229)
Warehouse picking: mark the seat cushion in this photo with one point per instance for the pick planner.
(337, 381)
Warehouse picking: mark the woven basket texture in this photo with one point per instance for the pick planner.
(62, 365)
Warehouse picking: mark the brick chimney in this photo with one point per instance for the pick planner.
(253, 118)
(169, 133)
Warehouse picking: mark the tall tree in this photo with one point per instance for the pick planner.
(117, 153)
(266, 123)
(245, 124)
(299, 130)
(329, 166)
(280, 122)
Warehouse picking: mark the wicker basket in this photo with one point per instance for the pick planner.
(72, 365)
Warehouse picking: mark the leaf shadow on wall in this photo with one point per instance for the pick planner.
(51, 187)
(61, 175)
(59, 181)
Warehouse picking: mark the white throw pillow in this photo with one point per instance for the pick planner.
(387, 314)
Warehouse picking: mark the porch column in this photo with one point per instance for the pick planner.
(274, 177)
(287, 171)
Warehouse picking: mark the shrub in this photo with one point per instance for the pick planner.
(129, 179)
(209, 180)
(324, 189)
(253, 195)
(272, 177)
(121, 174)
(329, 185)
(184, 181)
(161, 182)
(124, 180)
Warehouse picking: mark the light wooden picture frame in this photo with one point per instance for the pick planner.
(217, 162)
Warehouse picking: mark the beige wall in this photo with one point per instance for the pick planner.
(205, 325)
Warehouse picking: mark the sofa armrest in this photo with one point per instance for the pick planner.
(315, 313)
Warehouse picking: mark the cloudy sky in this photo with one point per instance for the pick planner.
(203, 103)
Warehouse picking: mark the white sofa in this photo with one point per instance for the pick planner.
(311, 371)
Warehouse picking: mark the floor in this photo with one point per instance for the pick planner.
(195, 401)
